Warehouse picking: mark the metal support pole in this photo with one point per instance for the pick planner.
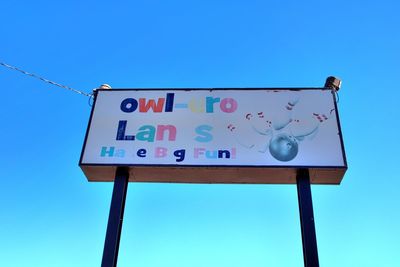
(310, 249)
(113, 235)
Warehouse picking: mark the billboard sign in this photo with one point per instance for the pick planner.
(214, 135)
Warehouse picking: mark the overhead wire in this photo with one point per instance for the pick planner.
(90, 95)
(46, 80)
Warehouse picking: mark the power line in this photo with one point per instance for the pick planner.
(45, 80)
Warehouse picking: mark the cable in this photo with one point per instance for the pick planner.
(91, 100)
(45, 80)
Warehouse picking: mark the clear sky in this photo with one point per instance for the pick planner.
(51, 216)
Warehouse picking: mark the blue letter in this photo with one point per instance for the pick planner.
(205, 135)
(210, 103)
(170, 102)
(129, 105)
(141, 153)
(180, 155)
(221, 154)
(147, 133)
(104, 151)
(121, 132)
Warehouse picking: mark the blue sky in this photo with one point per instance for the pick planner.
(51, 216)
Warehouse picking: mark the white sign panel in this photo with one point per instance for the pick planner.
(213, 129)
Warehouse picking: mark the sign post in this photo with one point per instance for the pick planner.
(309, 239)
(114, 227)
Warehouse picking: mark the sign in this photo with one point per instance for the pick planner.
(214, 135)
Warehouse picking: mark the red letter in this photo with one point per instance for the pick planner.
(144, 107)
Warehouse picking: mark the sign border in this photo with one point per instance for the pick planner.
(338, 170)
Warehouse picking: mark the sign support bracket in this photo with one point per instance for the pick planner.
(114, 227)
(309, 239)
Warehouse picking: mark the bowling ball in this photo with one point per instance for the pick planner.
(283, 147)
